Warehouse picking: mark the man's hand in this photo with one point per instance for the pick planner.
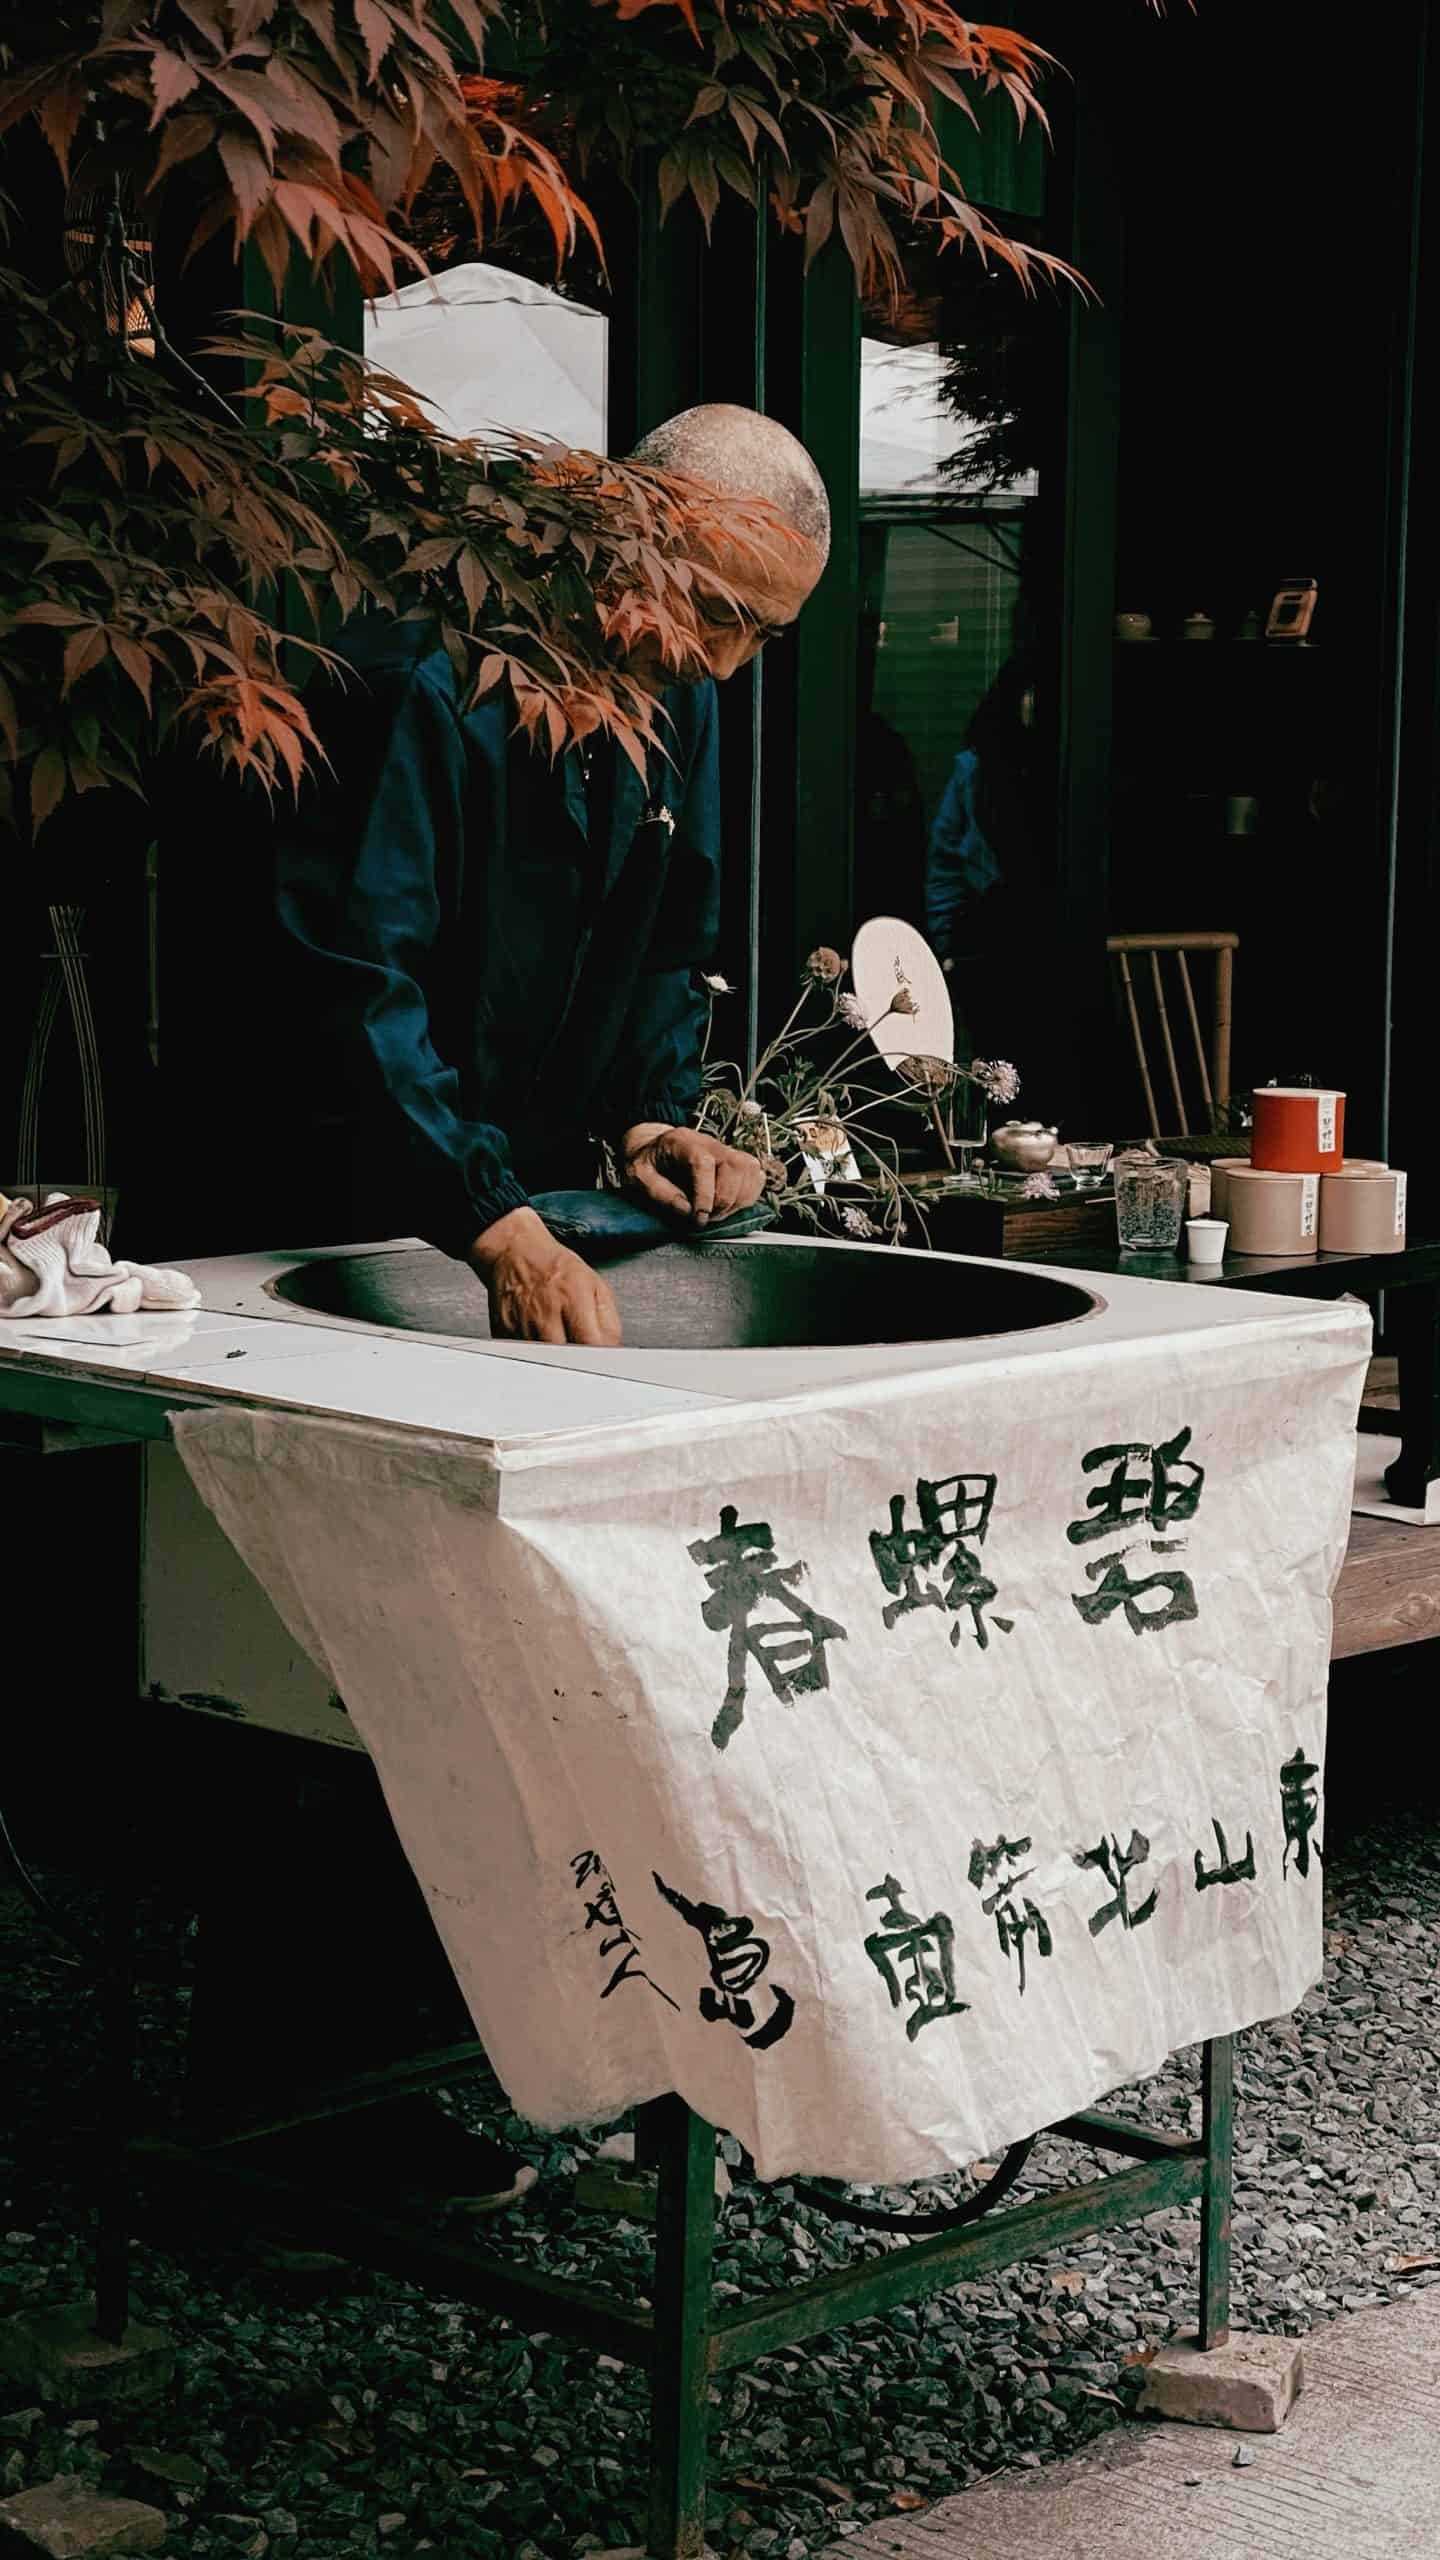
(539, 1291)
(690, 1175)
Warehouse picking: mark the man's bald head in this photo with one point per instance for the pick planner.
(746, 455)
(742, 454)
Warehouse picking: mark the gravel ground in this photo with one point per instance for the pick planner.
(376, 2418)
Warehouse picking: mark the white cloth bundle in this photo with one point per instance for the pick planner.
(52, 1263)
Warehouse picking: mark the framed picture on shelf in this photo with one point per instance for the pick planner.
(1293, 610)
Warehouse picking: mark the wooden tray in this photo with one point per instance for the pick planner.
(973, 1222)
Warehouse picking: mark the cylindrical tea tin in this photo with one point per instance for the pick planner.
(1220, 1171)
(1362, 1212)
(1298, 1128)
(1275, 1213)
(1359, 1164)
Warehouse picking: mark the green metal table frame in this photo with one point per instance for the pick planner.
(686, 2338)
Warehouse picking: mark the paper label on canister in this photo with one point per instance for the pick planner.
(1401, 1180)
(1309, 1202)
(1325, 1136)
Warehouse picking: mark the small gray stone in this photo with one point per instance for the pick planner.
(181, 2470)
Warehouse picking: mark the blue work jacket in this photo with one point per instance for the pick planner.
(961, 866)
(487, 964)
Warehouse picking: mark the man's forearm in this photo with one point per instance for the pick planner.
(517, 1227)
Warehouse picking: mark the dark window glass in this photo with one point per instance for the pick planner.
(957, 399)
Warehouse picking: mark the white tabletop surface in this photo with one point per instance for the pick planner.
(243, 1344)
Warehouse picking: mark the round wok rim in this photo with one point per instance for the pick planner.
(1072, 1283)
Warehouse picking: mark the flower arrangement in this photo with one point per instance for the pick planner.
(809, 1112)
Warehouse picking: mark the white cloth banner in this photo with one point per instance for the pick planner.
(890, 1771)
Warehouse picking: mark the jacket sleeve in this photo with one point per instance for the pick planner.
(961, 866)
(655, 1074)
(361, 876)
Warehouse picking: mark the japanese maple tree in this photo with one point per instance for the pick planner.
(177, 554)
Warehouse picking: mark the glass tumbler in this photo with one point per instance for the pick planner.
(1150, 1202)
(1089, 1161)
(967, 1111)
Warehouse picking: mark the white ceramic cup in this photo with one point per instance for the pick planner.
(1205, 1238)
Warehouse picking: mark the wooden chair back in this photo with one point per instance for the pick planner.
(1155, 1024)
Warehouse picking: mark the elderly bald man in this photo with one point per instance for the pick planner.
(494, 960)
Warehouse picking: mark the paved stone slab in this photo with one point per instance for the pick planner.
(1355, 2475)
(1250, 2383)
(68, 2520)
(57, 2354)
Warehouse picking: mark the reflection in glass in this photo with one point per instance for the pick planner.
(488, 349)
(955, 395)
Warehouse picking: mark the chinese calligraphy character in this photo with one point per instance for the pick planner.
(1227, 1870)
(1155, 1486)
(1300, 1807)
(1115, 1864)
(951, 1511)
(1121, 1590)
(742, 1572)
(737, 1960)
(999, 1865)
(922, 1951)
(1166, 1492)
(602, 1912)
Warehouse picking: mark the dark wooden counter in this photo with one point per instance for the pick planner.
(1389, 1589)
(1410, 1283)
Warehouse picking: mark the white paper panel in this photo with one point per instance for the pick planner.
(829, 1964)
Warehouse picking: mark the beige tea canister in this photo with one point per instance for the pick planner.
(1274, 1213)
(1362, 1212)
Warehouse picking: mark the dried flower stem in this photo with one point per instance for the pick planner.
(938, 1125)
(790, 1088)
(767, 1053)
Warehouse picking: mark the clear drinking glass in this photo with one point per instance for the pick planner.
(1089, 1161)
(968, 1108)
(1150, 1202)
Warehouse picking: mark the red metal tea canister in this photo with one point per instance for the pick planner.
(1298, 1128)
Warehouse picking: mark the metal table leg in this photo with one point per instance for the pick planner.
(1217, 2098)
(1415, 1317)
(113, 2216)
(683, 2147)
(686, 2338)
